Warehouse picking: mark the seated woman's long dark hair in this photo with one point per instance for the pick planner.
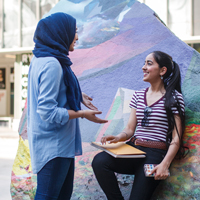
(172, 83)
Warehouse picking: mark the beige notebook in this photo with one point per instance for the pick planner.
(120, 150)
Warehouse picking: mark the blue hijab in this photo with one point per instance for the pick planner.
(52, 38)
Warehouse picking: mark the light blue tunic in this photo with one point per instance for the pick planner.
(50, 132)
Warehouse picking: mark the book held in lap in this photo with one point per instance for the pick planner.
(120, 150)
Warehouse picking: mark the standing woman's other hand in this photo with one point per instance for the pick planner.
(87, 102)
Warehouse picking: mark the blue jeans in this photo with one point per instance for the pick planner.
(55, 180)
(104, 166)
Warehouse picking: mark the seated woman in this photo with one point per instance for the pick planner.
(158, 114)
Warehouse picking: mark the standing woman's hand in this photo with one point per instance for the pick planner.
(91, 116)
(87, 102)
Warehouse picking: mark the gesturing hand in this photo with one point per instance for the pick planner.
(87, 102)
(90, 115)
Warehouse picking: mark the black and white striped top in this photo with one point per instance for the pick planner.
(158, 124)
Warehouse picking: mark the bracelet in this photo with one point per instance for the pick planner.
(83, 114)
(126, 134)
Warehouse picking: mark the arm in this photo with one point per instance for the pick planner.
(162, 169)
(49, 80)
(126, 133)
(88, 114)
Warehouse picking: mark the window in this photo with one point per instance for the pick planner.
(11, 31)
(29, 22)
(46, 6)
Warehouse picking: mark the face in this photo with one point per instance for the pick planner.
(71, 47)
(151, 70)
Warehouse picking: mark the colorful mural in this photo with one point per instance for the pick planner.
(23, 181)
(114, 39)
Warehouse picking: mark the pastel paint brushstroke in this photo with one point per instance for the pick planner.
(23, 181)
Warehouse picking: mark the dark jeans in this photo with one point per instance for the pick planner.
(104, 166)
(55, 180)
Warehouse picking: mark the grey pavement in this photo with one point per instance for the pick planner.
(8, 148)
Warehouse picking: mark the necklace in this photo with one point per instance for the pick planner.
(163, 93)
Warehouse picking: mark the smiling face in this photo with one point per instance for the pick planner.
(71, 47)
(152, 71)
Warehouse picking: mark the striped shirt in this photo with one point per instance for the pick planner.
(157, 120)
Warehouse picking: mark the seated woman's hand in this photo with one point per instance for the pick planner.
(161, 172)
(110, 139)
(91, 115)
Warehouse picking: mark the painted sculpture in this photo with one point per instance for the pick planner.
(114, 39)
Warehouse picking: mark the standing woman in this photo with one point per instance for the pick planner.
(54, 99)
(158, 114)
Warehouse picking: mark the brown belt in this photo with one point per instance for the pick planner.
(149, 143)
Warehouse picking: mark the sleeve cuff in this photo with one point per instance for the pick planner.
(63, 116)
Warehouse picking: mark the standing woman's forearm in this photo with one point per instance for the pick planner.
(76, 114)
(88, 114)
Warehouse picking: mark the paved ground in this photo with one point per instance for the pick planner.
(8, 150)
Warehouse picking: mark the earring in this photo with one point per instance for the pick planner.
(161, 77)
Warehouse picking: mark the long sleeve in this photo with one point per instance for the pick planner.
(49, 82)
